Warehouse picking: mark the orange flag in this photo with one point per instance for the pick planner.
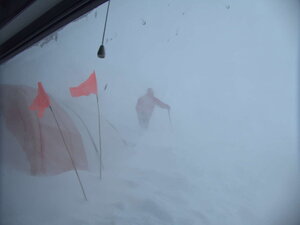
(86, 88)
(41, 101)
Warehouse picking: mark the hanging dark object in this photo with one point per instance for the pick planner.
(101, 51)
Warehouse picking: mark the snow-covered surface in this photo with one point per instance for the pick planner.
(230, 156)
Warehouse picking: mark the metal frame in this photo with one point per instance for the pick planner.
(55, 18)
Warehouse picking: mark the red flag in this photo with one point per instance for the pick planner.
(41, 101)
(86, 88)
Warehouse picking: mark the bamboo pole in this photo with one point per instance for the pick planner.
(69, 153)
(87, 129)
(100, 142)
(169, 114)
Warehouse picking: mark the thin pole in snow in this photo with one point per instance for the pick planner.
(169, 114)
(99, 131)
(87, 129)
(41, 146)
(69, 153)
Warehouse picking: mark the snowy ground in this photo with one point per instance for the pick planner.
(230, 75)
(154, 184)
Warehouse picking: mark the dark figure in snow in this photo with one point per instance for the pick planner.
(145, 106)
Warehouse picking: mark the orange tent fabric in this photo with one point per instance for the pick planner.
(39, 138)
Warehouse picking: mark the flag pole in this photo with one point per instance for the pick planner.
(99, 131)
(170, 118)
(41, 146)
(69, 153)
(87, 129)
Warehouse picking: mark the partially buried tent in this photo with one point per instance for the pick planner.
(39, 138)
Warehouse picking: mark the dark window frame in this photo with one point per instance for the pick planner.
(55, 18)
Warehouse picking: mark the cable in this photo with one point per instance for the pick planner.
(105, 22)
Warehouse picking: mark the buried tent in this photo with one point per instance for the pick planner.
(39, 138)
